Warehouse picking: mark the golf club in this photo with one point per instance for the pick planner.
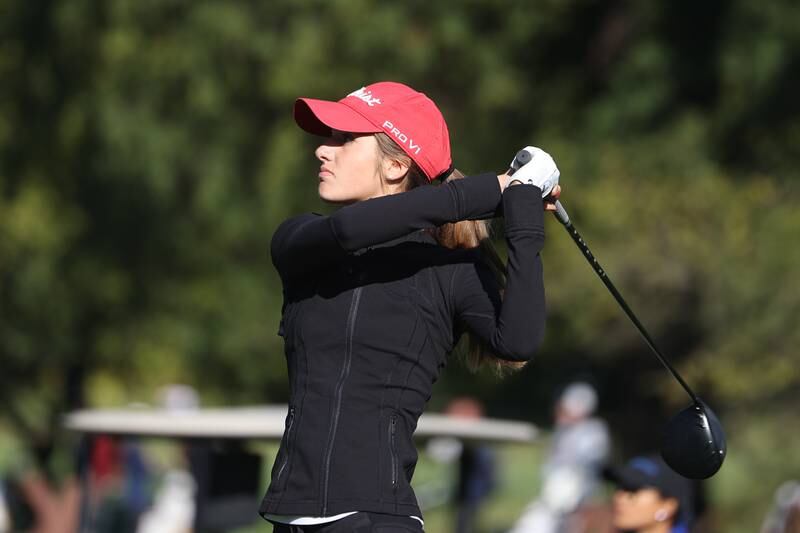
(694, 443)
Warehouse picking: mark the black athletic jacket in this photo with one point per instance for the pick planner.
(372, 307)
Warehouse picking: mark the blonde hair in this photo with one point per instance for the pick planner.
(465, 234)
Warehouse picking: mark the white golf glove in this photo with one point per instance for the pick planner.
(539, 170)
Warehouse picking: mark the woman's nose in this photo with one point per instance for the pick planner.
(323, 152)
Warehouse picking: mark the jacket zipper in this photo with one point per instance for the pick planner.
(348, 355)
(288, 444)
(392, 430)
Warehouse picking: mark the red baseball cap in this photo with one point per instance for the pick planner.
(408, 117)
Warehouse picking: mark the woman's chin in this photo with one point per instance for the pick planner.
(327, 196)
(626, 524)
(330, 196)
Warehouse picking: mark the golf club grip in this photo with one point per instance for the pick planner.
(584, 248)
(561, 214)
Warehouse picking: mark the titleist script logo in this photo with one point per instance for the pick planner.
(366, 96)
(402, 137)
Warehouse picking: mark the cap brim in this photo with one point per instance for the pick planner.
(319, 117)
(627, 478)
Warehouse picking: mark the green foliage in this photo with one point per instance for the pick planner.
(147, 152)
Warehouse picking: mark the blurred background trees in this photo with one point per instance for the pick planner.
(147, 152)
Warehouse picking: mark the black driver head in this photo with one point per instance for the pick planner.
(694, 443)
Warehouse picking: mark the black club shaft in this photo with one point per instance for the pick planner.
(560, 213)
(563, 217)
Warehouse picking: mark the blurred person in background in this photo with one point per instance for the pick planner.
(792, 524)
(41, 509)
(573, 466)
(378, 294)
(174, 506)
(5, 515)
(784, 517)
(650, 497)
(114, 492)
(476, 468)
(30, 501)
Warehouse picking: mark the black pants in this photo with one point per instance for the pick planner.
(358, 523)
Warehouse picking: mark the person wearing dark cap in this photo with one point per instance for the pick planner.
(650, 497)
(377, 295)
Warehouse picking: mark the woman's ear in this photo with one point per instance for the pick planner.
(394, 171)
(667, 509)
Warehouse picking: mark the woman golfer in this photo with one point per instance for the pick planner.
(377, 294)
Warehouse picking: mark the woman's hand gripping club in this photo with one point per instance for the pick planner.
(534, 166)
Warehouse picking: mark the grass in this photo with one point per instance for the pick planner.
(517, 485)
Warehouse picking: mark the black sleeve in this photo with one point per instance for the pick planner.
(513, 327)
(303, 243)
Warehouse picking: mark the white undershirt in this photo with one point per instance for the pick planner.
(311, 520)
(305, 520)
